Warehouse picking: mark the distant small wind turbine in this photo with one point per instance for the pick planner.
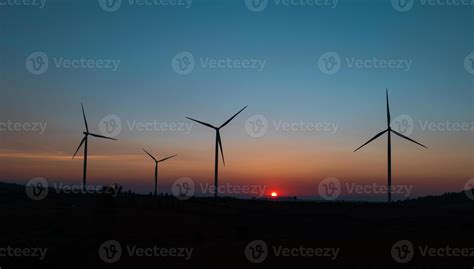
(389, 130)
(84, 141)
(156, 168)
(218, 145)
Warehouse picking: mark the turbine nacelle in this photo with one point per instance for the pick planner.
(87, 133)
(156, 160)
(218, 133)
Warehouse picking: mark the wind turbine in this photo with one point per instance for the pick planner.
(218, 145)
(84, 141)
(156, 167)
(389, 131)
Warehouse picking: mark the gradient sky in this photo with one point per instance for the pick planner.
(291, 88)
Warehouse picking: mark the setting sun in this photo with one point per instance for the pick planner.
(274, 194)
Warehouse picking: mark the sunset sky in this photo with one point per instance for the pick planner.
(290, 87)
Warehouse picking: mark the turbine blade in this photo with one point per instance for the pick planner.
(162, 160)
(84, 116)
(201, 122)
(78, 148)
(373, 138)
(101, 136)
(388, 108)
(402, 136)
(149, 155)
(219, 141)
(229, 120)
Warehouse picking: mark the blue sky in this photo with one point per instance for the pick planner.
(291, 87)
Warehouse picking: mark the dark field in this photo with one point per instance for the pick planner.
(73, 227)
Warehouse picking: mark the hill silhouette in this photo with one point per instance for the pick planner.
(73, 227)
